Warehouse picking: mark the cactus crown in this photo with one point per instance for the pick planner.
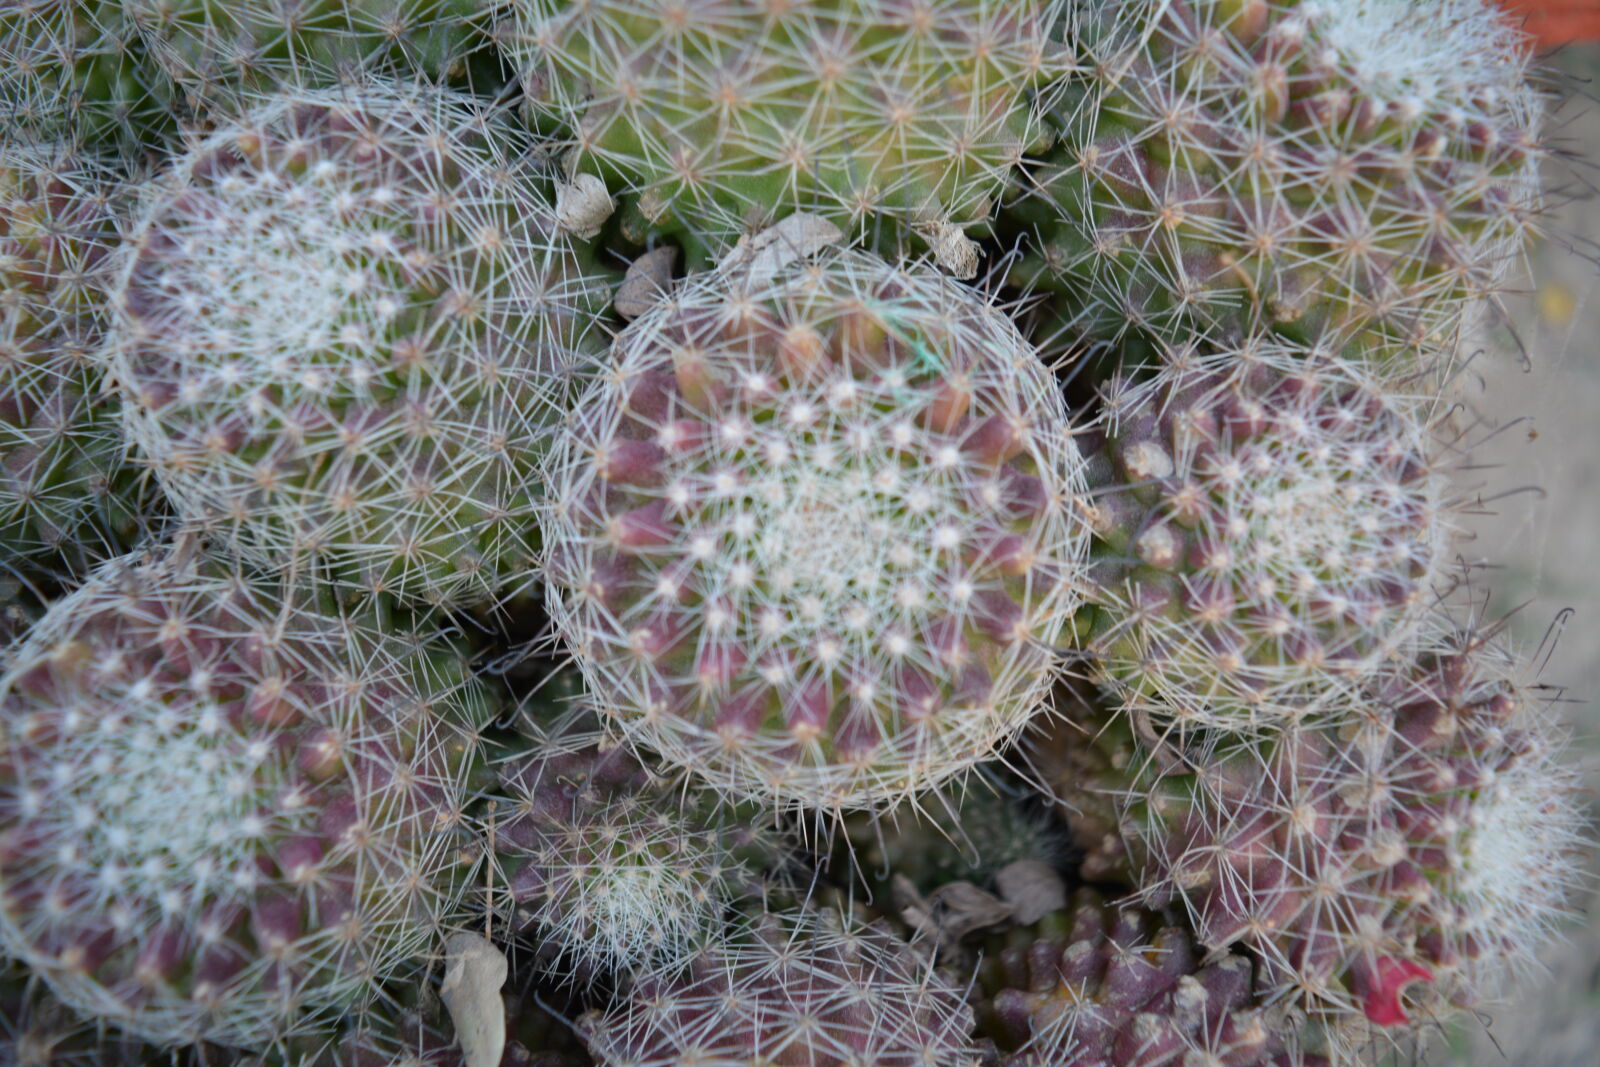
(344, 325)
(814, 535)
(608, 865)
(1434, 57)
(223, 816)
(1273, 527)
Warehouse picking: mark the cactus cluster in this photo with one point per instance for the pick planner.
(436, 630)
(1396, 866)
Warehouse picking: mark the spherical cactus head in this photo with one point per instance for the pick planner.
(219, 52)
(1271, 527)
(801, 988)
(75, 69)
(608, 866)
(1474, 779)
(1388, 873)
(814, 535)
(343, 326)
(1320, 169)
(901, 117)
(223, 814)
(66, 498)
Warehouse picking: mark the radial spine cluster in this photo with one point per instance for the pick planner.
(344, 326)
(76, 68)
(900, 115)
(807, 987)
(1271, 527)
(1383, 872)
(223, 815)
(220, 51)
(66, 498)
(604, 864)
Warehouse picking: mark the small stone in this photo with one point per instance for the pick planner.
(761, 256)
(648, 279)
(950, 912)
(956, 254)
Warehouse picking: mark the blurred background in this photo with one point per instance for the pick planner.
(1535, 383)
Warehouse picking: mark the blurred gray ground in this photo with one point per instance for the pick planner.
(1545, 544)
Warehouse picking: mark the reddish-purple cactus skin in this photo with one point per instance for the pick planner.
(814, 535)
(1389, 871)
(1101, 986)
(608, 864)
(792, 989)
(223, 815)
(1271, 527)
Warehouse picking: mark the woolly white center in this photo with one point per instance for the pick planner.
(1439, 53)
(1512, 855)
(272, 291)
(821, 529)
(163, 806)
